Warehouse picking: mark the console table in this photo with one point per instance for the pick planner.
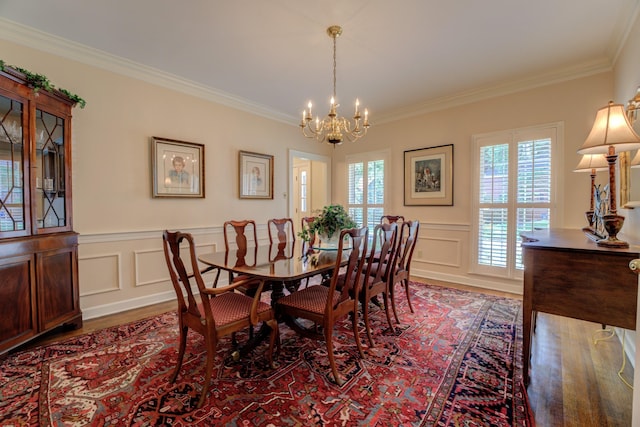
(567, 274)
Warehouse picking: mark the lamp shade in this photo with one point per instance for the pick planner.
(611, 127)
(590, 162)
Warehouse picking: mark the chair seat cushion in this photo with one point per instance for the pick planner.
(232, 306)
(312, 299)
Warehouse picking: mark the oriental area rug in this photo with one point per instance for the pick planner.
(456, 361)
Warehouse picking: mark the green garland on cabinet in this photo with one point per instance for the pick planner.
(39, 81)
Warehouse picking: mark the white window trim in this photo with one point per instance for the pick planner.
(557, 206)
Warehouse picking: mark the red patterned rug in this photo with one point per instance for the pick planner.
(455, 362)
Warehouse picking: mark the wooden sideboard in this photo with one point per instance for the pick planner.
(567, 274)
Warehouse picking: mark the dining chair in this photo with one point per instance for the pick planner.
(280, 230)
(307, 247)
(376, 272)
(390, 219)
(245, 236)
(281, 246)
(401, 264)
(324, 305)
(219, 312)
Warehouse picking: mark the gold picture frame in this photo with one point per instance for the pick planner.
(255, 179)
(428, 176)
(177, 168)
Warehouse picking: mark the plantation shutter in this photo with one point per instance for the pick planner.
(514, 194)
(366, 188)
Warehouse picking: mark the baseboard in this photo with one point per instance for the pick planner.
(628, 340)
(515, 288)
(120, 306)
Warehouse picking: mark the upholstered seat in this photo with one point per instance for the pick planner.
(324, 305)
(219, 311)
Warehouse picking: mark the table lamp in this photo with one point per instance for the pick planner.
(611, 134)
(592, 163)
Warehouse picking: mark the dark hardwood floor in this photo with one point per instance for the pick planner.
(574, 381)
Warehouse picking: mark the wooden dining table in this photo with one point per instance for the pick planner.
(277, 263)
(280, 265)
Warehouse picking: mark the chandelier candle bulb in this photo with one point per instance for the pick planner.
(334, 128)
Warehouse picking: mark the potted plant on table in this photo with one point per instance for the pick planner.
(328, 224)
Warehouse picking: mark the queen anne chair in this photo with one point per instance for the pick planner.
(324, 305)
(280, 230)
(246, 238)
(220, 312)
(390, 219)
(376, 272)
(401, 265)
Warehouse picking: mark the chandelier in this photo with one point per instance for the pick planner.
(332, 128)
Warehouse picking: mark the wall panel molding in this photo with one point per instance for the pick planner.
(115, 267)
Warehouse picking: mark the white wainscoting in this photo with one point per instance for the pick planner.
(124, 270)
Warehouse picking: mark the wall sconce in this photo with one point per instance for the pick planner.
(592, 163)
(611, 134)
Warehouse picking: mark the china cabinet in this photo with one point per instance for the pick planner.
(38, 247)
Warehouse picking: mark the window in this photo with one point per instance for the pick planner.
(303, 191)
(514, 192)
(366, 192)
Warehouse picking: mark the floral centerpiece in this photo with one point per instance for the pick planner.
(328, 224)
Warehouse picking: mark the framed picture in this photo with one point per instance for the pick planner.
(428, 176)
(256, 175)
(177, 168)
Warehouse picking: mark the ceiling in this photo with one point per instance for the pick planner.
(398, 58)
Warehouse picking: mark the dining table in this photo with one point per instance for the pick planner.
(278, 264)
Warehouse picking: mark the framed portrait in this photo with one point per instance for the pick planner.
(428, 176)
(177, 168)
(256, 175)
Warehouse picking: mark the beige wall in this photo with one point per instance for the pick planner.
(443, 251)
(121, 261)
(119, 222)
(626, 81)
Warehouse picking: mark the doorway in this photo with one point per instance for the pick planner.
(309, 184)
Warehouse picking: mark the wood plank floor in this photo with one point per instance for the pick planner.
(574, 382)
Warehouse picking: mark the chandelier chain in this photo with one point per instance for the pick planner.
(334, 68)
(335, 128)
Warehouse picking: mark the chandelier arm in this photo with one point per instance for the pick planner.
(334, 128)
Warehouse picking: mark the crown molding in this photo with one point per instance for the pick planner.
(501, 89)
(39, 40)
(36, 39)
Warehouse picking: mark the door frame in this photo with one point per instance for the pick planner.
(293, 154)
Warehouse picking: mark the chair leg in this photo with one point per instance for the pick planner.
(211, 354)
(385, 298)
(274, 339)
(181, 349)
(392, 297)
(355, 328)
(406, 289)
(328, 336)
(365, 316)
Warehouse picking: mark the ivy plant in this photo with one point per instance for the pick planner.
(40, 81)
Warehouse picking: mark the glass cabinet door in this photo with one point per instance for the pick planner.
(50, 173)
(12, 203)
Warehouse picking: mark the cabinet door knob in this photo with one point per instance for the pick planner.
(634, 265)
